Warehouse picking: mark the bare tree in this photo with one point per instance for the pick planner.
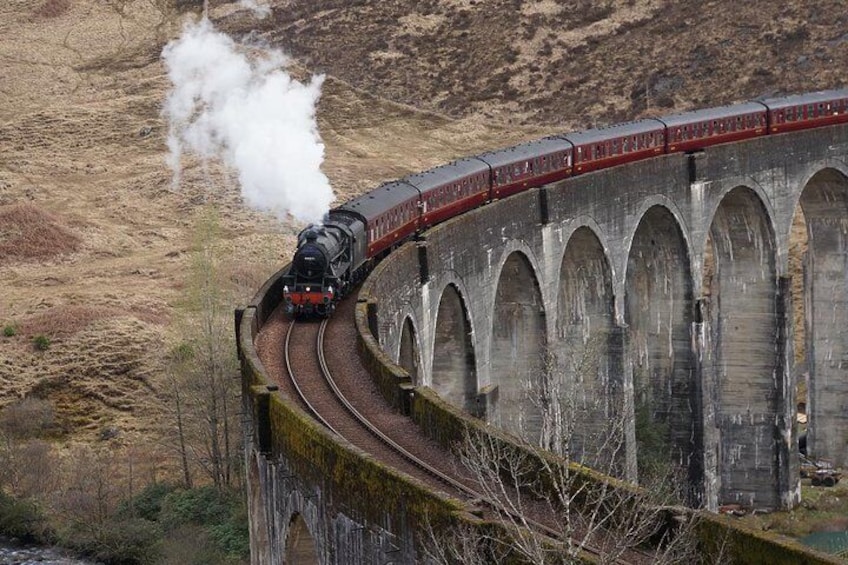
(204, 383)
(586, 510)
(464, 543)
(89, 491)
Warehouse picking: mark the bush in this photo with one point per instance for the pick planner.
(10, 330)
(233, 536)
(222, 512)
(22, 520)
(192, 545)
(41, 342)
(148, 503)
(133, 541)
(203, 506)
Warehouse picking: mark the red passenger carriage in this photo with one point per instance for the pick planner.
(807, 110)
(451, 189)
(390, 213)
(691, 131)
(530, 164)
(614, 145)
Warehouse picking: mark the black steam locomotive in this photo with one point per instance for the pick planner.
(329, 259)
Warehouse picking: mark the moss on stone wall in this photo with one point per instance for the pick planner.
(392, 381)
(730, 542)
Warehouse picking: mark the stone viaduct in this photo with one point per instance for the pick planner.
(658, 293)
(654, 304)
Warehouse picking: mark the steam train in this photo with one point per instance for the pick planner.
(333, 257)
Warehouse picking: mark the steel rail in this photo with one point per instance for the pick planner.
(311, 409)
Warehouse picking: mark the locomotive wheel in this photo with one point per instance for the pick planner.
(828, 481)
(816, 482)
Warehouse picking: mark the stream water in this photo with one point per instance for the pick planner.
(12, 553)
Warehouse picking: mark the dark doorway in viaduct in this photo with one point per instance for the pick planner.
(659, 313)
(824, 203)
(517, 352)
(742, 312)
(581, 375)
(300, 546)
(454, 374)
(409, 356)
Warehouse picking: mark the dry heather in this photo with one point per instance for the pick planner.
(28, 233)
(570, 63)
(62, 321)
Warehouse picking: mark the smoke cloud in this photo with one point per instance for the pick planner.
(239, 105)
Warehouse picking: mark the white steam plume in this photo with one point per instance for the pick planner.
(253, 115)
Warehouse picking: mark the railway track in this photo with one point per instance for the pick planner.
(315, 385)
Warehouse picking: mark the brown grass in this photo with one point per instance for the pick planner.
(65, 320)
(27, 233)
(101, 375)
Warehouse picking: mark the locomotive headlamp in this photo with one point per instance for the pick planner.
(330, 290)
(286, 289)
(308, 289)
